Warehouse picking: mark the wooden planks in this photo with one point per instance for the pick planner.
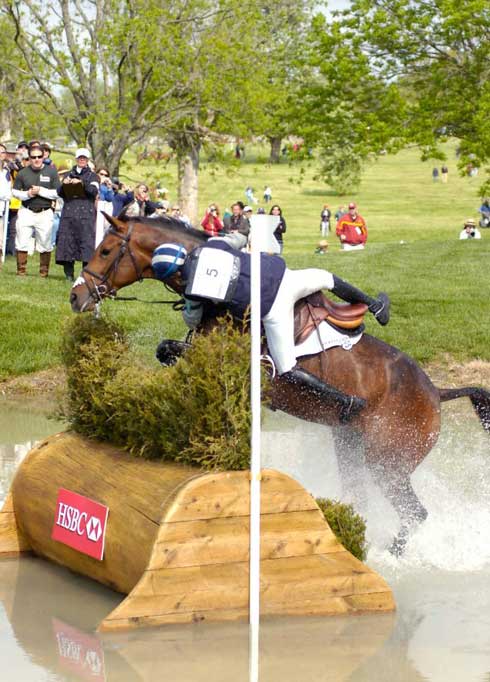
(12, 540)
(177, 540)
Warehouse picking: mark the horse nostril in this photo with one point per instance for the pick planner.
(73, 298)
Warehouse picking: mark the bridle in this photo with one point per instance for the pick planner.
(103, 289)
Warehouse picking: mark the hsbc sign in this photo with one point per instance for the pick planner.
(80, 523)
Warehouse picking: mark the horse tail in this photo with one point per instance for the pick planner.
(480, 399)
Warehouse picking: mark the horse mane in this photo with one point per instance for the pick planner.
(168, 223)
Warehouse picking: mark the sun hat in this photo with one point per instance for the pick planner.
(82, 151)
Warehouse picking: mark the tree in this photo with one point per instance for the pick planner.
(437, 55)
(126, 66)
(349, 111)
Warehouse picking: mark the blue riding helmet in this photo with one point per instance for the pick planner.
(167, 259)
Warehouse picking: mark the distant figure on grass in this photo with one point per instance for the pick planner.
(325, 216)
(212, 223)
(249, 193)
(339, 213)
(444, 174)
(267, 194)
(484, 212)
(352, 230)
(281, 227)
(470, 230)
(435, 174)
(322, 247)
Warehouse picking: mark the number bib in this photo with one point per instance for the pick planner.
(213, 274)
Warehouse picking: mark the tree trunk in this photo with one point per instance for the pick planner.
(188, 182)
(275, 155)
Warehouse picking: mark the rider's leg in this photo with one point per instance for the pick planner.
(279, 329)
(380, 307)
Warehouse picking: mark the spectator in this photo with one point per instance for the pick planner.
(122, 196)
(435, 174)
(267, 194)
(325, 216)
(339, 213)
(444, 174)
(470, 230)
(104, 203)
(212, 223)
(484, 212)
(76, 235)
(236, 222)
(141, 205)
(5, 194)
(58, 206)
(249, 193)
(176, 212)
(22, 156)
(37, 188)
(322, 247)
(46, 149)
(281, 227)
(352, 230)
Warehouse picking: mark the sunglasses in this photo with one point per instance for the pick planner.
(36, 156)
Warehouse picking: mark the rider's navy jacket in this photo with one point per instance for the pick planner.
(272, 270)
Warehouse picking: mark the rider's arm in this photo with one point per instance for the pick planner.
(192, 313)
(236, 240)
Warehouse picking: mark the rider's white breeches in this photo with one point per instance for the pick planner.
(279, 322)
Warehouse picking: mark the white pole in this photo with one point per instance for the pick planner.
(254, 584)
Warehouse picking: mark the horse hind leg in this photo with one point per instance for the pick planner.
(399, 490)
(349, 449)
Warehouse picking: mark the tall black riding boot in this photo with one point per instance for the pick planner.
(380, 307)
(349, 405)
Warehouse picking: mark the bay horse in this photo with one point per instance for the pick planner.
(394, 432)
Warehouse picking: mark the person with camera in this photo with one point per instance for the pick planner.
(470, 230)
(104, 203)
(212, 223)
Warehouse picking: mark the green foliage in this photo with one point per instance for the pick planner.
(347, 525)
(197, 412)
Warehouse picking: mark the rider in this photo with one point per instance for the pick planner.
(280, 289)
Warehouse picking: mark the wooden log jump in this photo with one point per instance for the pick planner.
(177, 539)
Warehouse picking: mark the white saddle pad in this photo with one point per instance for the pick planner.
(326, 337)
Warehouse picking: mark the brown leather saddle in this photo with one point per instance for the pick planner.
(316, 308)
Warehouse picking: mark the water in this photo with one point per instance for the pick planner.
(440, 632)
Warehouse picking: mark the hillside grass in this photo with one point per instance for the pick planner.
(439, 286)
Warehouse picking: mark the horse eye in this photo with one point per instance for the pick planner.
(105, 252)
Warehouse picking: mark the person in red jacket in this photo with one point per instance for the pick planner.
(212, 223)
(352, 230)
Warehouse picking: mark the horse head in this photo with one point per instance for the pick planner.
(124, 257)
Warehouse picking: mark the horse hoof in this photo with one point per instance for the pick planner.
(398, 545)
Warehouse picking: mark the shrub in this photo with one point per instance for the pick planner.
(348, 526)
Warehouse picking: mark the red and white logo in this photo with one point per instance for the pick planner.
(80, 523)
(80, 653)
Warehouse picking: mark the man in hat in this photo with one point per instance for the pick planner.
(36, 187)
(352, 230)
(470, 230)
(76, 234)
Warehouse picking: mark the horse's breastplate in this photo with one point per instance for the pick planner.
(213, 274)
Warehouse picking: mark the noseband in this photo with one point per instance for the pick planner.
(99, 291)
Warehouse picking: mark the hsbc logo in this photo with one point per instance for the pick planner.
(80, 523)
(94, 529)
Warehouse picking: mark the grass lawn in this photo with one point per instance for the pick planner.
(439, 286)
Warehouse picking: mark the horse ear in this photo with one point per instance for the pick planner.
(116, 224)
